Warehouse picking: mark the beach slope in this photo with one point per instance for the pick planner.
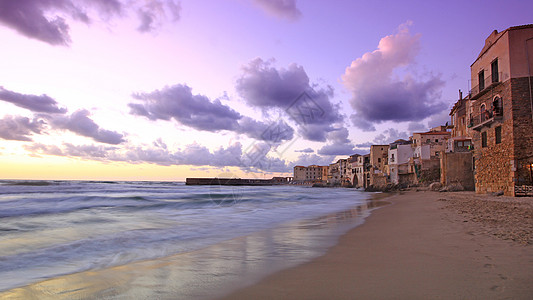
(426, 245)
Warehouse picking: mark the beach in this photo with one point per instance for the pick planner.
(403, 245)
(426, 245)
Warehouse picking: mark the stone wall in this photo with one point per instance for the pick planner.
(457, 168)
(493, 163)
(522, 130)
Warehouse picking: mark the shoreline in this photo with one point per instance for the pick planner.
(212, 271)
(425, 245)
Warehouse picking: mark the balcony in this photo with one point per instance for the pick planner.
(485, 119)
(489, 82)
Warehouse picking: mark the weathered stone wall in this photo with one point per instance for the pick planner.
(493, 163)
(522, 129)
(456, 167)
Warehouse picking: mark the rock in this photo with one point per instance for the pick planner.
(435, 186)
(455, 187)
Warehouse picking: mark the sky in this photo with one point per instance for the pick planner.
(168, 89)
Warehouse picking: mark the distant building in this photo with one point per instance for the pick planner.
(310, 174)
(400, 154)
(351, 172)
(361, 168)
(456, 163)
(378, 165)
(502, 112)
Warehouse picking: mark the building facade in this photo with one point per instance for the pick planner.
(502, 112)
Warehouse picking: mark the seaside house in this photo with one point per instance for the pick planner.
(399, 155)
(310, 174)
(428, 148)
(461, 134)
(334, 175)
(378, 165)
(362, 175)
(351, 173)
(456, 163)
(502, 112)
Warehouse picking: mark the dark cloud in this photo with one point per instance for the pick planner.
(274, 132)
(339, 143)
(34, 103)
(417, 127)
(379, 96)
(199, 112)
(263, 86)
(280, 8)
(440, 118)
(177, 102)
(362, 123)
(80, 123)
(19, 128)
(46, 20)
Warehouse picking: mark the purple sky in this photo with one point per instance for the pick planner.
(231, 86)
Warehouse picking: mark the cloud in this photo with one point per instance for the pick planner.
(19, 128)
(80, 123)
(34, 103)
(47, 20)
(285, 9)
(274, 132)
(417, 127)
(386, 137)
(313, 159)
(379, 95)
(340, 144)
(306, 150)
(390, 135)
(153, 12)
(263, 86)
(177, 102)
(193, 154)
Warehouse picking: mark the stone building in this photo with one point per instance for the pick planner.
(399, 155)
(378, 165)
(502, 112)
(351, 170)
(310, 174)
(361, 168)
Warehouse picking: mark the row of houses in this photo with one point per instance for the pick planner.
(486, 146)
(404, 161)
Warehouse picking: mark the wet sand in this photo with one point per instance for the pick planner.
(427, 245)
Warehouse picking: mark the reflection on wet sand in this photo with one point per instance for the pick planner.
(209, 272)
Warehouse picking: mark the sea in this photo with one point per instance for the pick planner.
(121, 239)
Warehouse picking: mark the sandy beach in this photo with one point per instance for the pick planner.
(427, 245)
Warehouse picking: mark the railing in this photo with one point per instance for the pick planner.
(487, 83)
(485, 117)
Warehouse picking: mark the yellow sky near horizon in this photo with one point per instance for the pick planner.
(65, 168)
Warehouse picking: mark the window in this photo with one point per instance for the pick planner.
(497, 106)
(481, 80)
(379, 160)
(494, 71)
(484, 139)
(436, 140)
(428, 141)
(483, 110)
(392, 157)
(498, 132)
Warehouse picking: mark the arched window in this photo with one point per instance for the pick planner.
(497, 106)
(482, 112)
